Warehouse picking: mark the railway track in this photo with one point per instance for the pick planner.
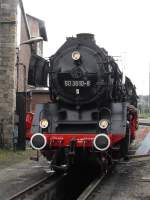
(39, 190)
(144, 123)
(90, 189)
(59, 187)
(45, 189)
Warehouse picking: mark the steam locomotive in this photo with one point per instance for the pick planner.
(90, 110)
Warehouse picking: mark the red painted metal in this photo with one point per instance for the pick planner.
(28, 134)
(114, 138)
(29, 118)
(82, 140)
(133, 126)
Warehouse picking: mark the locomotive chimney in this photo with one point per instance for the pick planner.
(86, 36)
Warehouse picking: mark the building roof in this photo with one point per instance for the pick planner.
(42, 27)
(38, 90)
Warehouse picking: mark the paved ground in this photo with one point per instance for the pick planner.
(126, 182)
(18, 176)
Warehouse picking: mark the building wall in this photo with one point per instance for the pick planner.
(8, 63)
(37, 98)
(8, 12)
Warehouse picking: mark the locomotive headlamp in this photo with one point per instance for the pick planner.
(103, 123)
(44, 123)
(76, 55)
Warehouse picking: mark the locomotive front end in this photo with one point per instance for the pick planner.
(87, 112)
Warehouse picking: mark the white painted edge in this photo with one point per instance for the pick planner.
(99, 135)
(38, 148)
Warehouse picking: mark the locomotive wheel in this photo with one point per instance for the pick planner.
(124, 145)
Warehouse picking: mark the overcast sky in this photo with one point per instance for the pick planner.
(122, 27)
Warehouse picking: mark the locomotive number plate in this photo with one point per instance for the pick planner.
(77, 83)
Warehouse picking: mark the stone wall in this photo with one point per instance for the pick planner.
(8, 14)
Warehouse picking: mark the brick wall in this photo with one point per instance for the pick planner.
(8, 11)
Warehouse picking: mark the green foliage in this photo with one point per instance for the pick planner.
(9, 157)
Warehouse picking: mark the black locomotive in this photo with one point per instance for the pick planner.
(89, 103)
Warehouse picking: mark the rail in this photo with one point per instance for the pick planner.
(144, 122)
(39, 190)
(90, 189)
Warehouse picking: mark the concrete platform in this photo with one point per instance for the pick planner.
(144, 148)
